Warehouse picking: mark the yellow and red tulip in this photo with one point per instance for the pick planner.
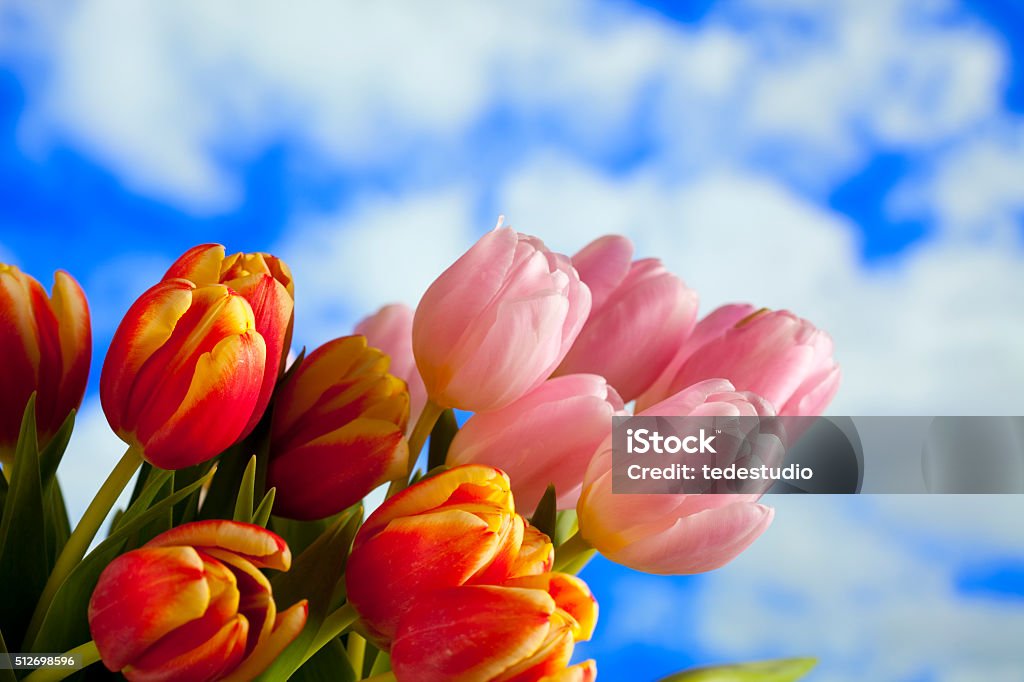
(523, 631)
(458, 527)
(266, 283)
(46, 345)
(337, 430)
(184, 374)
(192, 604)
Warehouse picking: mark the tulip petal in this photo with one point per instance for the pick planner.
(470, 633)
(263, 548)
(75, 339)
(581, 672)
(602, 265)
(147, 325)
(571, 595)
(286, 628)
(699, 542)
(336, 470)
(216, 408)
(256, 600)
(208, 661)
(19, 348)
(163, 588)
(462, 484)
(200, 264)
(416, 556)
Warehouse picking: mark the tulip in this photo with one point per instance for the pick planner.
(184, 373)
(458, 527)
(523, 631)
(390, 329)
(497, 322)
(774, 354)
(674, 534)
(337, 430)
(46, 344)
(546, 437)
(265, 282)
(193, 604)
(640, 314)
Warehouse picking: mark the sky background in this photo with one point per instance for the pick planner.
(858, 162)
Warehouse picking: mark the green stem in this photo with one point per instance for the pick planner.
(383, 677)
(87, 653)
(569, 552)
(424, 425)
(78, 544)
(356, 650)
(333, 626)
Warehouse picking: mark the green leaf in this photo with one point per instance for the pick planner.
(246, 493)
(330, 664)
(545, 516)
(566, 525)
(24, 562)
(65, 625)
(782, 670)
(441, 439)
(315, 575)
(3, 493)
(58, 526)
(51, 455)
(262, 514)
(6, 674)
(381, 664)
(223, 493)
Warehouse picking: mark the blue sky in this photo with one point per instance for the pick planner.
(857, 162)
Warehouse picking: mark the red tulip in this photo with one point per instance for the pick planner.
(523, 631)
(337, 430)
(265, 282)
(390, 329)
(46, 345)
(193, 604)
(458, 527)
(184, 373)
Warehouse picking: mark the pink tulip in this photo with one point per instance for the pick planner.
(390, 329)
(641, 313)
(547, 436)
(774, 354)
(497, 322)
(674, 534)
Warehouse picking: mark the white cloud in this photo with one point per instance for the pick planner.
(163, 93)
(386, 249)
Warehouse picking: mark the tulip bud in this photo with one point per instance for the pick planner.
(674, 534)
(641, 312)
(184, 373)
(497, 322)
(46, 344)
(192, 604)
(547, 436)
(265, 282)
(336, 433)
(390, 329)
(774, 354)
(524, 630)
(455, 528)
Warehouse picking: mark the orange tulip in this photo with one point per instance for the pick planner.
(337, 430)
(456, 528)
(523, 631)
(46, 345)
(184, 373)
(265, 282)
(193, 604)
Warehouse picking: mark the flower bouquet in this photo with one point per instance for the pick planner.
(245, 551)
